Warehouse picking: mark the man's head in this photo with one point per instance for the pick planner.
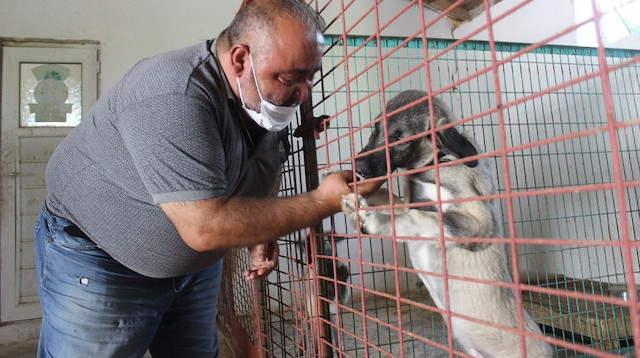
(284, 39)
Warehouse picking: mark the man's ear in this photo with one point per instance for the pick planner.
(239, 59)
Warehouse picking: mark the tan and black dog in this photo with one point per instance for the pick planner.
(477, 217)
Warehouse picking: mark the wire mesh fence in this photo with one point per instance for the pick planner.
(561, 125)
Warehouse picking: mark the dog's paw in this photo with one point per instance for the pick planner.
(348, 203)
(365, 221)
(349, 207)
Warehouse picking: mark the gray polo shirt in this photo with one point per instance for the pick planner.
(169, 130)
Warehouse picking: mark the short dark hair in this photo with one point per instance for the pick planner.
(258, 16)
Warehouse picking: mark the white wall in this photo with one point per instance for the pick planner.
(539, 20)
(131, 30)
(631, 42)
(393, 18)
(127, 30)
(533, 22)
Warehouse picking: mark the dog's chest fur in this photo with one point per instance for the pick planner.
(421, 190)
(426, 256)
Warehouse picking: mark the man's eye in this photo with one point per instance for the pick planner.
(288, 81)
(292, 81)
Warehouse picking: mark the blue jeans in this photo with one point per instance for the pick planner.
(92, 306)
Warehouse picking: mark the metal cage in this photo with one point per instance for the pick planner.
(562, 125)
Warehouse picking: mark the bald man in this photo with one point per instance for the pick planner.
(174, 165)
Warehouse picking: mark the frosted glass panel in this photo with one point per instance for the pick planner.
(50, 95)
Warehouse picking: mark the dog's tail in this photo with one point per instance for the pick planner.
(342, 271)
(327, 247)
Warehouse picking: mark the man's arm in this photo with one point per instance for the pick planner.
(226, 222)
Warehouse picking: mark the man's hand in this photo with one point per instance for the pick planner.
(336, 184)
(369, 187)
(264, 259)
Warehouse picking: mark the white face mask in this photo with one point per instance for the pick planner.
(271, 117)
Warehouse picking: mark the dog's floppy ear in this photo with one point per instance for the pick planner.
(455, 143)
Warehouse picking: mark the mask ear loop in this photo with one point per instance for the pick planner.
(255, 79)
(240, 90)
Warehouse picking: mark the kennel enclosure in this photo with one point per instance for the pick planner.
(562, 125)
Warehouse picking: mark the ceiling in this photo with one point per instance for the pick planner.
(463, 12)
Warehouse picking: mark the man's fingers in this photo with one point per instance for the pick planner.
(263, 260)
(258, 253)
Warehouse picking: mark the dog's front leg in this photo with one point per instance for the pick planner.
(378, 222)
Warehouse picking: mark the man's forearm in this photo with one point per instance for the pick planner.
(227, 222)
(239, 221)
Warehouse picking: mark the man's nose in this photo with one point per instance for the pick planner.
(302, 90)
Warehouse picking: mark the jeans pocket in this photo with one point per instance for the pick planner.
(65, 263)
(75, 242)
(69, 238)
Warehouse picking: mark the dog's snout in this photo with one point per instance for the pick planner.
(372, 165)
(362, 168)
(360, 176)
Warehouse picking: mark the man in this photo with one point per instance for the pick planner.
(172, 167)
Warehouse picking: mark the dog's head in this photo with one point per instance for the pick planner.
(412, 121)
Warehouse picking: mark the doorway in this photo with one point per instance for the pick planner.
(46, 89)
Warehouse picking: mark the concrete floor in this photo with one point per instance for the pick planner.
(27, 349)
(19, 350)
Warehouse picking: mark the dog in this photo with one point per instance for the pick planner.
(464, 178)
(341, 274)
